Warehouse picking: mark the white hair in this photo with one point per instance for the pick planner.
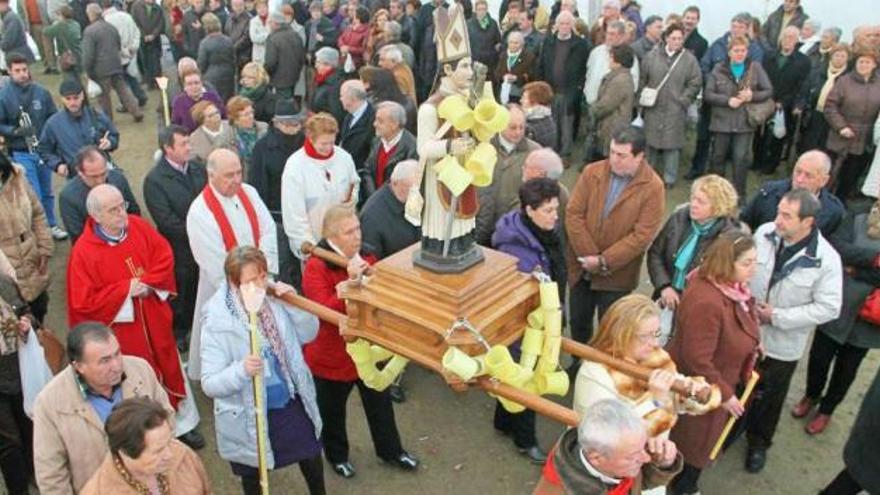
(398, 113)
(93, 199)
(354, 88)
(516, 34)
(603, 425)
(546, 159)
(817, 157)
(404, 170)
(392, 53)
(817, 26)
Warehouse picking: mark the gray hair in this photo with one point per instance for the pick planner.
(392, 53)
(742, 18)
(818, 157)
(835, 31)
(398, 113)
(82, 334)
(328, 55)
(393, 29)
(406, 169)
(817, 26)
(618, 26)
(808, 204)
(93, 11)
(604, 423)
(611, 3)
(93, 200)
(516, 34)
(546, 159)
(354, 88)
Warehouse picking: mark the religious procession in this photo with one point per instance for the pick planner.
(469, 211)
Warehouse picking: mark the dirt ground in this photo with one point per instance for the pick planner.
(452, 433)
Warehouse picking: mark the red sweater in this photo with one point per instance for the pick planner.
(326, 354)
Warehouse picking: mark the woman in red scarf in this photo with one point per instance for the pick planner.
(716, 337)
(315, 178)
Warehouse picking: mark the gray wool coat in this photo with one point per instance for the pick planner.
(666, 121)
(217, 63)
(285, 57)
(13, 38)
(100, 50)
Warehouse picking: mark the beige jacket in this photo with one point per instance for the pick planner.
(24, 234)
(69, 439)
(186, 476)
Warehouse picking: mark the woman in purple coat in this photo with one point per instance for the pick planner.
(532, 235)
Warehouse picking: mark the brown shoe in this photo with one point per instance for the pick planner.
(818, 424)
(803, 407)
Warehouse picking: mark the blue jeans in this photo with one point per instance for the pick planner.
(40, 178)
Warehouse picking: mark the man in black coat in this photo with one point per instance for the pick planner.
(789, 71)
(169, 189)
(811, 172)
(563, 64)
(392, 144)
(693, 41)
(285, 56)
(384, 228)
(356, 132)
(267, 166)
(91, 170)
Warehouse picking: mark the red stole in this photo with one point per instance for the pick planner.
(229, 240)
(382, 162)
(622, 488)
(98, 281)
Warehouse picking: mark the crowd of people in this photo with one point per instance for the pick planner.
(311, 126)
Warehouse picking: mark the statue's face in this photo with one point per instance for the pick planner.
(463, 74)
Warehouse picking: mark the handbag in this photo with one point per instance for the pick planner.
(648, 97)
(870, 310)
(757, 113)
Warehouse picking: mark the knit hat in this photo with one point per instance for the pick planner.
(70, 87)
(328, 55)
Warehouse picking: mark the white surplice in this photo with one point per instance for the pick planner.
(208, 249)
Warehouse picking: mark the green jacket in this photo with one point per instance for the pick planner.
(68, 34)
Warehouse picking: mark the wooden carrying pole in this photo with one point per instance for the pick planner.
(630, 369)
(576, 349)
(330, 257)
(750, 386)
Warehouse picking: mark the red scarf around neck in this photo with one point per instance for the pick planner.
(622, 488)
(229, 240)
(320, 77)
(313, 153)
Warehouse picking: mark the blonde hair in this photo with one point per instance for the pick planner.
(198, 111)
(258, 72)
(721, 193)
(320, 124)
(621, 323)
(334, 215)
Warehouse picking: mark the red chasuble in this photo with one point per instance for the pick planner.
(98, 281)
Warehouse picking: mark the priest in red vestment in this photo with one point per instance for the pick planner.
(121, 273)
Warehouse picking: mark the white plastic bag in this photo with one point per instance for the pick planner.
(638, 121)
(779, 124)
(34, 371)
(93, 89)
(348, 67)
(666, 320)
(505, 93)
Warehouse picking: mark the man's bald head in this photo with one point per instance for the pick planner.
(543, 162)
(812, 171)
(99, 196)
(225, 172)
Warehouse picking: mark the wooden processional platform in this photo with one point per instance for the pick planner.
(419, 314)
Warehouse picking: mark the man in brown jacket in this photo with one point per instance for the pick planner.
(69, 414)
(615, 211)
(609, 453)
